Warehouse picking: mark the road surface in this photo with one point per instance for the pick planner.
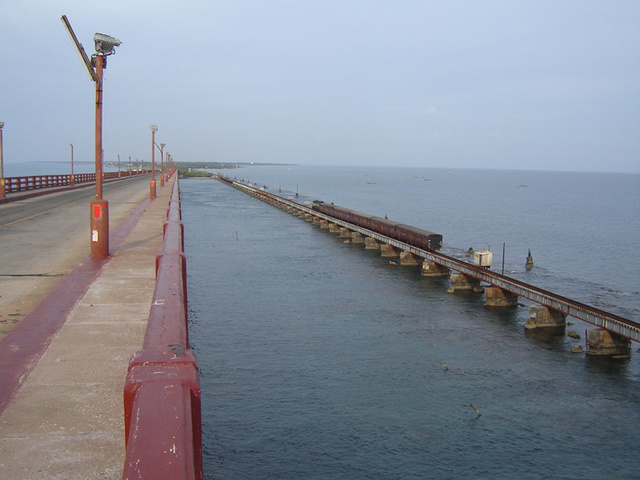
(45, 237)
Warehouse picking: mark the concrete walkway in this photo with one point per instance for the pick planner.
(65, 421)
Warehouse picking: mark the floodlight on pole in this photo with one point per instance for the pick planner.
(105, 45)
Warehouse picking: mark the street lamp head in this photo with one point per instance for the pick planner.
(154, 128)
(105, 44)
(162, 145)
(1, 125)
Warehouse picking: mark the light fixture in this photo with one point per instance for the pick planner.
(105, 44)
(154, 128)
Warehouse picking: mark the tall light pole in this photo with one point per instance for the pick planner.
(3, 192)
(73, 182)
(152, 187)
(105, 46)
(162, 164)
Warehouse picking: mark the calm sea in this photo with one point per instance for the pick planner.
(26, 169)
(320, 360)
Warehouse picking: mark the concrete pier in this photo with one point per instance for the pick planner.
(345, 233)
(371, 244)
(604, 343)
(388, 251)
(497, 297)
(545, 317)
(432, 269)
(408, 259)
(464, 283)
(333, 228)
(356, 237)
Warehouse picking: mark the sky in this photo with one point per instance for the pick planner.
(530, 85)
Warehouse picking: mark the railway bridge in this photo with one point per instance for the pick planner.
(613, 334)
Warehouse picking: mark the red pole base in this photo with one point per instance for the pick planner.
(152, 189)
(99, 228)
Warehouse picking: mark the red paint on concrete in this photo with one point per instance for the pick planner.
(21, 349)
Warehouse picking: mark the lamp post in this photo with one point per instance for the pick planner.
(152, 187)
(104, 45)
(73, 182)
(162, 164)
(3, 192)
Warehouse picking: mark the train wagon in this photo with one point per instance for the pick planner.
(418, 237)
(405, 233)
(384, 226)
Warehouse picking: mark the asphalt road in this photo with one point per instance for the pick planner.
(44, 238)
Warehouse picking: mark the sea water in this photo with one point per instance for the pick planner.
(321, 360)
(28, 169)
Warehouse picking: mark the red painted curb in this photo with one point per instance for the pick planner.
(162, 408)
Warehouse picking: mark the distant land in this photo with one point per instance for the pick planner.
(194, 169)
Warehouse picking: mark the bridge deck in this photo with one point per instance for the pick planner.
(64, 365)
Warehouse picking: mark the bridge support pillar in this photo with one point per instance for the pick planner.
(324, 224)
(408, 259)
(356, 237)
(462, 282)
(432, 269)
(545, 317)
(315, 220)
(333, 228)
(308, 218)
(604, 343)
(345, 233)
(371, 243)
(388, 251)
(497, 297)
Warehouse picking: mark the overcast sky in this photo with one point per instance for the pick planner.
(536, 84)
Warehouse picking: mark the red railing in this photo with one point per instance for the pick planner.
(163, 429)
(22, 184)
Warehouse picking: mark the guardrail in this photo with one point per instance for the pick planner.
(163, 428)
(32, 182)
